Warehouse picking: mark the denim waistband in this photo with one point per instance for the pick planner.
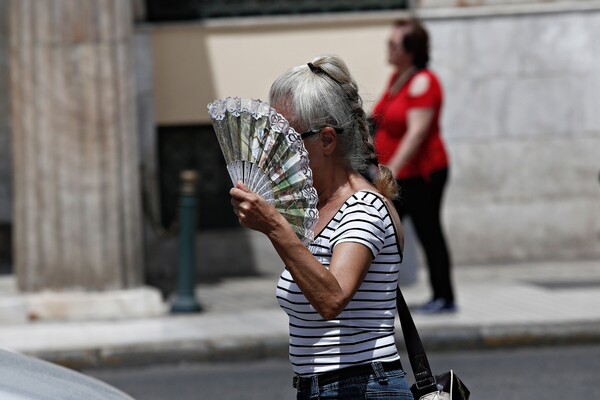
(343, 373)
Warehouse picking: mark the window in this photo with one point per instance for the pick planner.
(194, 147)
(174, 10)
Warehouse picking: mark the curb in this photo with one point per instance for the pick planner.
(513, 336)
(245, 348)
(190, 351)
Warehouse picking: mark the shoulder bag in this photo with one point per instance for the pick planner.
(427, 386)
(445, 386)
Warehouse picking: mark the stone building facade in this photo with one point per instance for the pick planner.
(522, 123)
(522, 85)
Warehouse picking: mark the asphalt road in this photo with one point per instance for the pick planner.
(518, 374)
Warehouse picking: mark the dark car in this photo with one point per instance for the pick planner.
(28, 378)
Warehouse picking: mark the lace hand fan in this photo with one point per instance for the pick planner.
(268, 156)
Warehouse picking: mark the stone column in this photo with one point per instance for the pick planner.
(77, 218)
(5, 156)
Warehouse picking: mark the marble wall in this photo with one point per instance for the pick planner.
(479, 3)
(522, 121)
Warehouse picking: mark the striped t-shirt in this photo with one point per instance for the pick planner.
(364, 331)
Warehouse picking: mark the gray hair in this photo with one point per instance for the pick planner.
(323, 93)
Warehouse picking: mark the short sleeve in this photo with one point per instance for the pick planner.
(423, 91)
(361, 222)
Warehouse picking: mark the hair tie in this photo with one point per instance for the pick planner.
(319, 70)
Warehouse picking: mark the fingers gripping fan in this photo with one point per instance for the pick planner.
(268, 156)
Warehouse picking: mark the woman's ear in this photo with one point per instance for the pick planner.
(328, 140)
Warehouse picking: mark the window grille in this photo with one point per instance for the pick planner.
(173, 10)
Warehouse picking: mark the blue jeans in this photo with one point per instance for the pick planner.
(381, 385)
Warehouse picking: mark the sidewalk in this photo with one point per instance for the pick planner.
(502, 305)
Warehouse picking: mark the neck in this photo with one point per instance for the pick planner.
(405, 69)
(341, 186)
(331, 194)
(404, 73)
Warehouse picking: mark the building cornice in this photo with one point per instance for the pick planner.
(375, 17)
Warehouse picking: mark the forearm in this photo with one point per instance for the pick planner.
(320, 287)
(317, 283)
(405, 151)
(419, 125)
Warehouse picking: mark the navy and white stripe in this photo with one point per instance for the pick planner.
(364, 331)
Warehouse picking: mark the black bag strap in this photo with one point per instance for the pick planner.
(414, 347)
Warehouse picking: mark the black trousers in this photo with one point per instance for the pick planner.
(422, 200)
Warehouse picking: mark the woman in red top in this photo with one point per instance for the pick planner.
(408, 141)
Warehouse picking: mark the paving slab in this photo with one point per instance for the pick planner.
(499, 306)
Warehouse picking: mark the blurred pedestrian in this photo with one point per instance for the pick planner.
(339, 293)
(409, 142)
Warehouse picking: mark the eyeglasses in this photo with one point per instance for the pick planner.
(311, 132)
(308, 133)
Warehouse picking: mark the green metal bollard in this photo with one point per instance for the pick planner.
(185, 296)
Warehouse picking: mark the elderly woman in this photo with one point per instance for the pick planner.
(339, 292)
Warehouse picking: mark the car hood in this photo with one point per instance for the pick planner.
(28, 378)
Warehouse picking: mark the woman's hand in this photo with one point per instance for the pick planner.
(253, 211)
(328, 290)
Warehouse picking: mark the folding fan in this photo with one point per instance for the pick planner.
(263, 151)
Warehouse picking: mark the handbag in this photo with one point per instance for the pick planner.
(445, 386)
